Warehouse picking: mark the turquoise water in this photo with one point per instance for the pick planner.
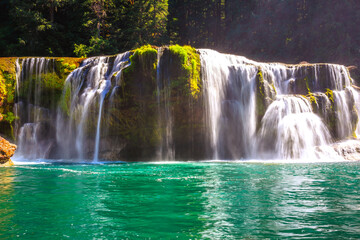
(180, 200)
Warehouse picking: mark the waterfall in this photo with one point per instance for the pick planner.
(248, 109)
(229, 91)
(101, 102)
(291, 129)
(86, 87)
(357, 104)
(163, 94)
(17, 93)
(95, 82)
(31, 126)
(117, 67)
(237, 91)
(343, 112)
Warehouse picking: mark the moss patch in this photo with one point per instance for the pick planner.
(260, 78)
(265, 94)
(65, 100)
(189, 61)
(133, 111)
(310, 95)
(329, 93)
(143, 59)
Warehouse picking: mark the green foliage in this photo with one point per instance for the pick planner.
(65, 66)
(6, 87)
(7, 93)
(250, 28)
(9, 84)
(81, 28)
(42, 27)
(141, 22)
(97, 46)
(7, 90)
(9, 117)
(81, 50)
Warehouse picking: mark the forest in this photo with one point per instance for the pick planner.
(276, 30)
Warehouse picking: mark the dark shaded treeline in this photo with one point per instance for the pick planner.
(266, 30)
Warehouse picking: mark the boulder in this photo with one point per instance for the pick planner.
(349, 150)
(7, 150)
(7, 164)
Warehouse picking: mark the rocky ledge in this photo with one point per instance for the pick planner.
(7, 150)
(349, 150)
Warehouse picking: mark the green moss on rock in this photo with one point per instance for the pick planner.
(329, 93)
(265, 94)
(132, 113)
(189, 61)
(65, 101)
(143, 59)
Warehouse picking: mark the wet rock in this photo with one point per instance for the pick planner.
(265, 94)
(355, 74)
(349, 150)
(7, 150)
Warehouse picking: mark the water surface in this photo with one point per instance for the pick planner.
(218, 200)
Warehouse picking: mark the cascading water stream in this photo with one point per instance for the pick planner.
(121, 58)
(229, 91)
(30, 115)
(163, 93)
(97, 138)
(93, 78)
(344, 101)
(16, 105)
(289, 127)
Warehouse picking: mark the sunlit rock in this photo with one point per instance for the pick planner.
(7, 150)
